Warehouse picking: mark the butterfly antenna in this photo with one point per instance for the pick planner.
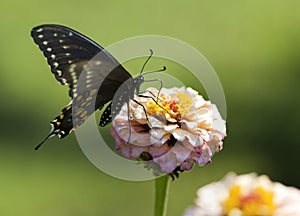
(49, 135)
(160, 70)
(151, 53)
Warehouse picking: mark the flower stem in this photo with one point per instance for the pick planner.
(161, 195)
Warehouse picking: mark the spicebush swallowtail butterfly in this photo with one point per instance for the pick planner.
(68, 54)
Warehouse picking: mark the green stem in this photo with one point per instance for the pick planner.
(161, 195)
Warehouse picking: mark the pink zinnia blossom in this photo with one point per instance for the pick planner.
(182, 129)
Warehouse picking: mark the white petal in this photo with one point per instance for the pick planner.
(170, 128)
(139, 113)
(194, 139)
(179, 134)
(154, 122)
(190, 125)
(157, 133)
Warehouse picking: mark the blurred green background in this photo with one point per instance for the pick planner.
(253, 46)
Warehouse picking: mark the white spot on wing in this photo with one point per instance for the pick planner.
(64, 80)
(70, 33)
(59, 72)
(72, 67)
(73, 74)
(39, 30)
(53, 56)
(40, 36)
(49, 49)
(45, 42)
(55, 34)
(55, 64)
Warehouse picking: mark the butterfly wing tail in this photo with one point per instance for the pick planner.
(62, 125)
(52, 133)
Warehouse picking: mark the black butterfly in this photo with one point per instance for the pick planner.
(71, 57)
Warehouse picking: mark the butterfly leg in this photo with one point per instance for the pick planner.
(129, 124)
(160, 87)
(155, 101)
(154, 96)
(145, 111)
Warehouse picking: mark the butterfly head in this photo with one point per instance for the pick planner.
(138, 80)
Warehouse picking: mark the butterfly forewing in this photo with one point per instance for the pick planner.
(63, 47)
(68, 52)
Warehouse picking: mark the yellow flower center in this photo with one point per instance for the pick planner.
(185, 103)
(174, 108)
(257, 202)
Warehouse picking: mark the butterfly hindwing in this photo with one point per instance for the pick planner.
(122, 95)
(106, 116)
